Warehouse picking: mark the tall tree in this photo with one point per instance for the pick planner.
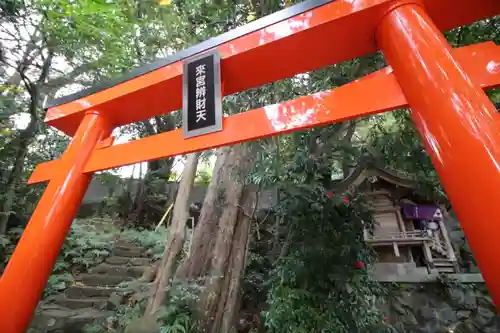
(51, 46)
(175, 237)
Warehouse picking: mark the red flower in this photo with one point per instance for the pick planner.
(346, 200)
(387, 319)
(330, 194)
(359, 264)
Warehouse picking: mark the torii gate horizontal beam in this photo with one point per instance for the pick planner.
(305, 37)
(380, 91)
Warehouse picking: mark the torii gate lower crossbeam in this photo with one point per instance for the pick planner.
(459, 125)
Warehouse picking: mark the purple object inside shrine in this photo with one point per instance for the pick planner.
(421, 212)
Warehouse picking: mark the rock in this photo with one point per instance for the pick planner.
(457, 295)
(470, 299)
(464, 308)
(428, 313)
(484, 316)
(398, 308)
(65, 320)
(409, 319)
(463, 315)
(148, 274)
(402, 299)
(447, 315)
(491, 329)
(139, 296)
(464, 298)
(114, 301)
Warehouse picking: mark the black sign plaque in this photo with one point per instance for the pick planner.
(201, 95)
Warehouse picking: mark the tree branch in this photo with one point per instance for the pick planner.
(65, 79)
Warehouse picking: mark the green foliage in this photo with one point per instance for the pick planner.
(174, 317)
(317, 279)
(90, 241)
(7, 244)
(87, 243)
(9, 9)
(306, 294)
(203, 178)
(393, 141)
(152, 240)
(182, 323)
(481, 31)
(57, 283)
(494, 95)
(122, 316)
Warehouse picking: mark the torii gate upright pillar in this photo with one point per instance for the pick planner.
(458, 124)
(32, 262)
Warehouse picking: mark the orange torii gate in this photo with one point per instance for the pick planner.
(443, 86)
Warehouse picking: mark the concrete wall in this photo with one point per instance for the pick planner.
(388, 271)
(98, 191)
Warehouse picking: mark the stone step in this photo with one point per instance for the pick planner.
(440, 251)
(121, 261)
(59, 319)
(442, 261)
(125, 243)
(89, 291)
(139, 261)
(133, 271)
(443, 264)
(127, 253)
(114, 260)
(130, 247)
(445, 269)
(102, 280)
(76, 303)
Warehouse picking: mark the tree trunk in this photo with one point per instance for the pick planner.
(175, 238)
(198, 262)
(25, 138)
(228, 307)
(225, 271)
(156, 169)
(13, 182)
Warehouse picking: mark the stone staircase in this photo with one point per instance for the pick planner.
(93, 294)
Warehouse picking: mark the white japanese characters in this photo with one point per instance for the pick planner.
(201, 91)
(201, 95)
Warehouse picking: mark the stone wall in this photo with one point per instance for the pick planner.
(445, 306)
(98, 191)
